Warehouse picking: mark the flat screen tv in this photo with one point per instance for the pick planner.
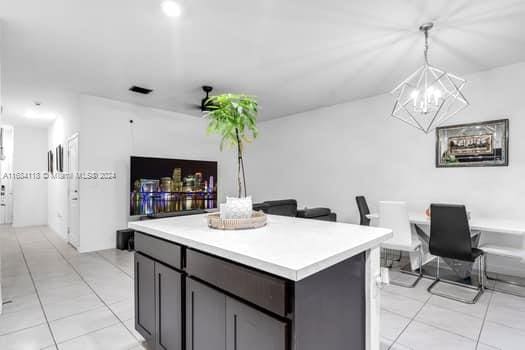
(160, 185)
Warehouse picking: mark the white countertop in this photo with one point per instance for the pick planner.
(288, 247)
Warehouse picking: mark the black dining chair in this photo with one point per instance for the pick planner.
(450, 237)
(363, 210)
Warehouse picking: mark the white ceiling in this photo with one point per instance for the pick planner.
(295, 55)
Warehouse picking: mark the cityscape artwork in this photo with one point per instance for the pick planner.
(161, 185)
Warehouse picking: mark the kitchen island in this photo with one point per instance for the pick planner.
(295, 284)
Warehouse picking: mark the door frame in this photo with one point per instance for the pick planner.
(68, 141)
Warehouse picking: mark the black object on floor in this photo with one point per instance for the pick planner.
(131, 243)
(123, 238)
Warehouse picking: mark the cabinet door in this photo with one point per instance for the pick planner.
(168, 284)
(145, 296)
(250, 329)
(205, 317)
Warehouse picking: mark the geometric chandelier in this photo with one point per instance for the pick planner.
(430, 96)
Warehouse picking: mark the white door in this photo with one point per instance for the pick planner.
(6, 167)
(73, 227)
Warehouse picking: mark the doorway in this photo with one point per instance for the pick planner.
(73, 227)
(6, 167)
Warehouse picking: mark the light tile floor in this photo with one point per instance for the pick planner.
(61, 299)
(414, 319)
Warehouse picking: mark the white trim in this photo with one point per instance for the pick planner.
(68, 228)
(373, 298)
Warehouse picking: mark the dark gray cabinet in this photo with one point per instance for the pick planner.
(158, 303)
(145, 297)
(218, 322)
(205, 317)
(168, 300)
(250, 329)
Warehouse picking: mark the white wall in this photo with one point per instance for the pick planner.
(66, 124)
(328, 156)
(107, 140)
(30, 195)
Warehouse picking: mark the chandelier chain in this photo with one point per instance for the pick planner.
(426, 46)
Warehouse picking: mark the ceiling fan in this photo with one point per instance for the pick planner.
(205, 102)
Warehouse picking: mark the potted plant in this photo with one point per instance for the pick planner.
(233, 117)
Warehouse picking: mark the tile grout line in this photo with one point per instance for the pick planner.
(90, 332)
(116, 266)
(36, 290)
(499, 323)
(77, 313)
(485, 318)
(90, 287)
(456, 312)
(409, 323)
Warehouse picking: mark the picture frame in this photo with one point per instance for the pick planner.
(50, 161)
(57, 158)
(59, 155)
(478, 144)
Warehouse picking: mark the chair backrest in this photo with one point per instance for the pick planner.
(450, 232)
(284, 207)
(394, 216)
(363, 210)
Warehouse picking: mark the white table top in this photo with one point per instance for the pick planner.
(288, 247)
(510, 227)
(481, 224)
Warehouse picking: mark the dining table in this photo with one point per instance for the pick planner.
(479, 226)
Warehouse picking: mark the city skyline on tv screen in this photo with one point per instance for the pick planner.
(162, 185)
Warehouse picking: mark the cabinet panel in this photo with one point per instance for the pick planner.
(250, 329)
(205, 317)
(167, 252)
(259, 288)
(145, 296)
(169, 308)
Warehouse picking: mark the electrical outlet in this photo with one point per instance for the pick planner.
(385, 275)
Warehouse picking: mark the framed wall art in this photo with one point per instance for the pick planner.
(50, 162)
(59, 153)
(473, 145)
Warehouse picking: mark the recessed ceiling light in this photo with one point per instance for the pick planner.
(171, 8)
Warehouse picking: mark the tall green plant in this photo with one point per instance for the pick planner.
(233, 117)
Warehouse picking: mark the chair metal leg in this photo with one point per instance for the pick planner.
(481, 278)
(420, 261)
(437, 273)
(419, 276)
(480, 289)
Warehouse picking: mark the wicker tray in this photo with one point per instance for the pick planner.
(257, 220)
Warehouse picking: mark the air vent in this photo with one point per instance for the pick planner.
(140, 90)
